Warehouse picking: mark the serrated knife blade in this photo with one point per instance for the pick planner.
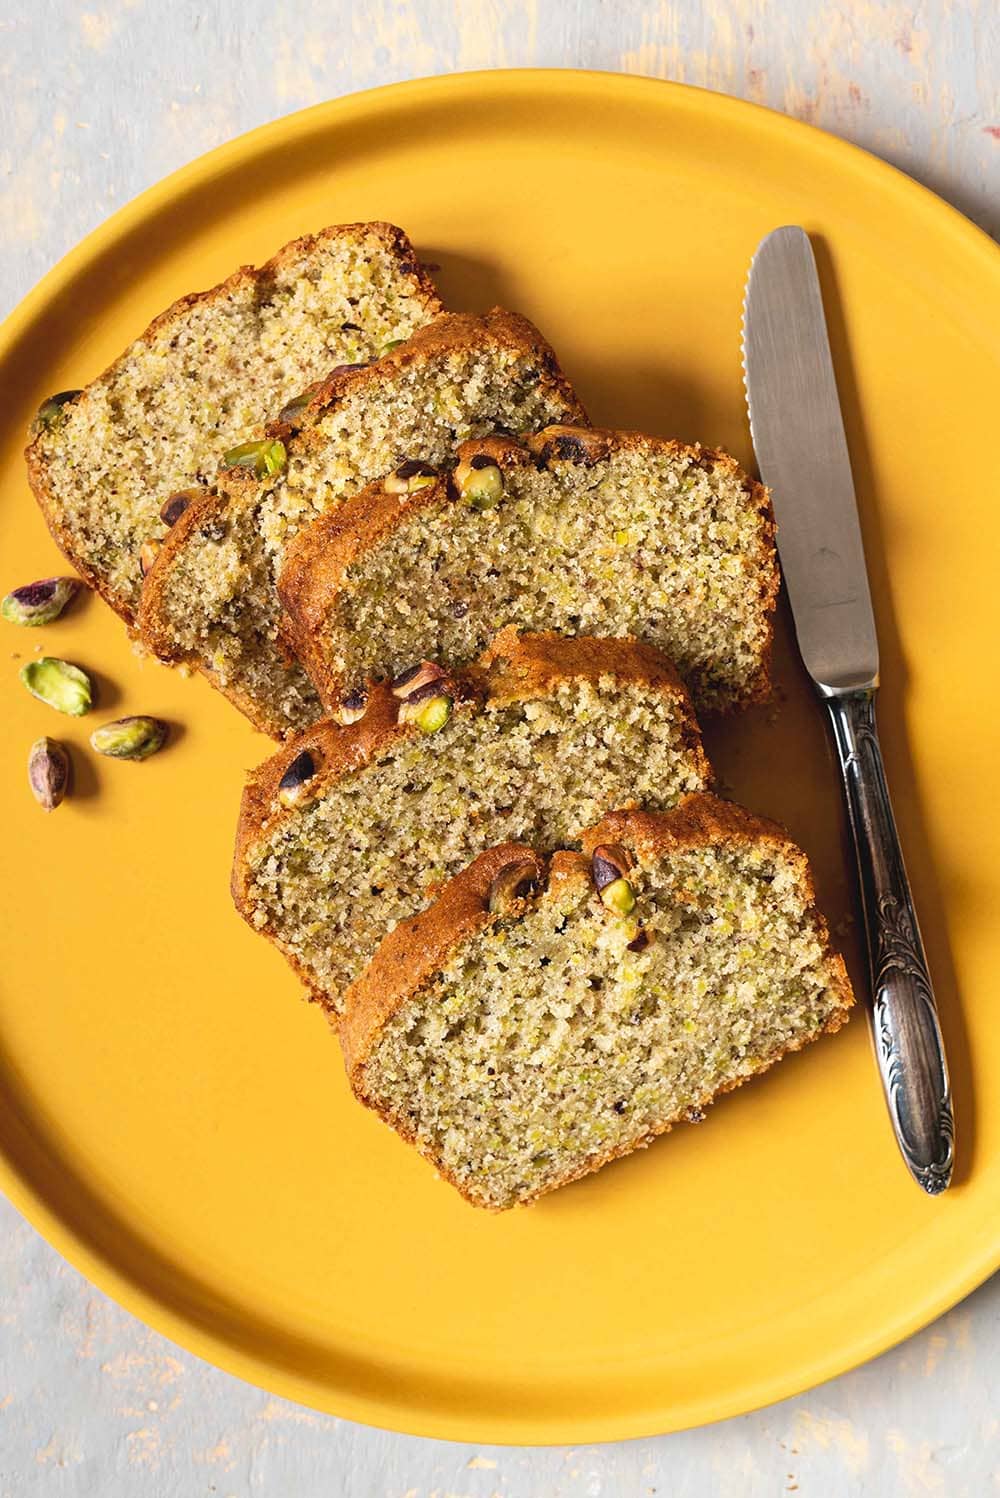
(801, 448)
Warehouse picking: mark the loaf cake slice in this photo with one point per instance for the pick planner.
(204, 376)
(348, 829)
(210, 598)
(542, 1018)
(592, 532)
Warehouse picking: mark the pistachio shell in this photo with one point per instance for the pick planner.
(413, 683)
(41, 602)
(296, 777)
(59, 683)
(129, 738)
(352, 707)
(48, 773)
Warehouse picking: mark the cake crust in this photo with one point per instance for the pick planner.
(418, 949)
(256, 279)
(318, 561)
(515, 668)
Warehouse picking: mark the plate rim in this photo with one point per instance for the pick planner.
(56, 1226)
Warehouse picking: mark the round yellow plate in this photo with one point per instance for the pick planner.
(175, 1119)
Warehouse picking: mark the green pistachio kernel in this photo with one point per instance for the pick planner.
(387, 348)
(51, 412)
(62, 685)
(41, 602)
(266, 458)
(480, 482)
(129, 738)
(618, 896)
(432, 714)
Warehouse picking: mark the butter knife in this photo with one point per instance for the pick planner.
(801, 447)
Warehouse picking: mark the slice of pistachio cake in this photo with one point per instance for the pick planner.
(349, 828)
(210, 598)
(584, 531)
(544, 1017)
(105, 461)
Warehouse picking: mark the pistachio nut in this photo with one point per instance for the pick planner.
(148, 552)
(51, 411)
(291, 786)
(130, 738)
(174, 505)
(265, 457)
(41, 602)
(48, 773)
(59, 683)
(387, 348)
(409, 477)
(414, 682)
(513, 882)
(352, 707)
(609, 864)
(429, 713)
(479, 481)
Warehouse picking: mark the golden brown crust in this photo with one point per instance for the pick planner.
(395, 240)
(318, 560)
(237, 490)
(515, 668)
(449, 332)
(418, 949)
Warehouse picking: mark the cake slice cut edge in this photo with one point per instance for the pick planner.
(523, 1046)
(206, 374)
(210, 597)
(580, 530)
(349, 829)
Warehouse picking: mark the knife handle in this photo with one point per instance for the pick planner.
(909, 1046)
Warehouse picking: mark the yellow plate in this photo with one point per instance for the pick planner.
(176, 1120)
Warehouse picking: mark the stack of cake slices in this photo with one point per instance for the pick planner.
(488, 844)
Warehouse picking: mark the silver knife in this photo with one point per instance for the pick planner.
(798, 436)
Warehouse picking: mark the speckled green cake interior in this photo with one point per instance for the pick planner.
(646, 542)
(220, 604)
(547, 1045)
(329, 881)
(206, 378)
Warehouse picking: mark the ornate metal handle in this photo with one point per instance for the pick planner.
(908, 1042)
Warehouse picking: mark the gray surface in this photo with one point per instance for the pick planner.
(98, 102)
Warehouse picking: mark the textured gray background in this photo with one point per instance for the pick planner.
(97, 101)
